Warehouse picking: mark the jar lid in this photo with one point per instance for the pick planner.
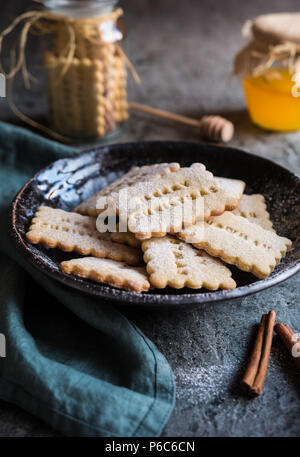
(79, 8)
(275, 39)
(276, 28)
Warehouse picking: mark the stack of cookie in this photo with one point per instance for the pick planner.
(90, 98)
(177, 227)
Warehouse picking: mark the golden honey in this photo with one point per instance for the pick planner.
(273, 100)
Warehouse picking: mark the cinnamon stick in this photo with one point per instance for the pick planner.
(290, 340)
(256, 371)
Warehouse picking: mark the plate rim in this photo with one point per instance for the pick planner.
(123, 297)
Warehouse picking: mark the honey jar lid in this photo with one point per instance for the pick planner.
(277, 28)
(275, 38)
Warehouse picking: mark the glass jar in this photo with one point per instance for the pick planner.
(85, 69)
(270, 70)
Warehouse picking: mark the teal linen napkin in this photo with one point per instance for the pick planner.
(71, 360)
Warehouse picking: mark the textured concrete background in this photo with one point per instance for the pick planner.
(183, 52)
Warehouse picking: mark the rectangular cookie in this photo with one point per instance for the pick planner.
(116, 274)
(134, 175)
(240, 242)
(125, 238)
(171, 262)
(167, 204)
(254, 208)
(234, 187)
(68, 231)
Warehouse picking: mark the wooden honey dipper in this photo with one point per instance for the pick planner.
(214, 128)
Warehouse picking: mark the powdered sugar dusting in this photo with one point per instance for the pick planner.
(203, 383)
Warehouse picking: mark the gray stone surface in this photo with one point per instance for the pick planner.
(183, 52)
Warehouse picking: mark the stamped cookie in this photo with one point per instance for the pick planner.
(253, 208)
(171, 262)
(116, 274)
(240, 242)
(125, 238)
(134, 175)
(74, 232)
(167, 204)
(234, 187)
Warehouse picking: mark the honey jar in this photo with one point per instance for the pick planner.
(269, 66)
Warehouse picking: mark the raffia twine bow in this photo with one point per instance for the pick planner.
(287, 52)
(43, 23)
(258, 55)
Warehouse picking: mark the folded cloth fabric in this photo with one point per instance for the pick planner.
(71, 360)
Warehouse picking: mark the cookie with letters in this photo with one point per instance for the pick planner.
(171, 262)
(240, 242)
(125, 238)
(116, 274)
(133, 176)
(254, 208)
(169, 203)
(69, 231)
(234, 189)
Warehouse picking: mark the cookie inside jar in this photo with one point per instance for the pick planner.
(86, 68)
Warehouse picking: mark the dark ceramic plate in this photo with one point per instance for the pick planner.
(65, 183)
